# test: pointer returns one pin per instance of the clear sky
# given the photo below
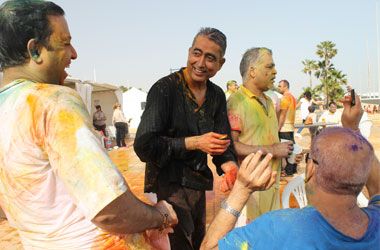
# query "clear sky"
(134, 43)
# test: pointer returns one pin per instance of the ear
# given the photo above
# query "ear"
(252, 71)
(310, 170)
(34, 51)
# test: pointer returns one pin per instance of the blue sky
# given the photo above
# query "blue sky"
(134, 43)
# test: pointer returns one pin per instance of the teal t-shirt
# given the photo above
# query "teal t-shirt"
(302, 229)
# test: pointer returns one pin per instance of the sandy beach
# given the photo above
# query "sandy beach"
(133, 170)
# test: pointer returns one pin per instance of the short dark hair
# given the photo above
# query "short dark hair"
(20, 21)
(307, 94)
(98, 107)
(286, 83)
(214, 35)
(331, 103)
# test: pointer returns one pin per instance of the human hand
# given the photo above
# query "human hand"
(351, 114)
(168, 212)
(212, 143)
(282, 149)
(255, 175)
(230, 173)
(159, 239)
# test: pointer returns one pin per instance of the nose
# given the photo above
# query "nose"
(201, 61)
(274, 71)
(74, 54)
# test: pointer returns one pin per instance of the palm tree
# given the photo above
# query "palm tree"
(309, 67)
(326, 51)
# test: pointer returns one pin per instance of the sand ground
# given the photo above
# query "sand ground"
(133, 170)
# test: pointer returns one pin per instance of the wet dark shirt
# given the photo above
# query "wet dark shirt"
(170, 115)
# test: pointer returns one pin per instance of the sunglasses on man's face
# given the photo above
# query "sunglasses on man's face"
(309, 158)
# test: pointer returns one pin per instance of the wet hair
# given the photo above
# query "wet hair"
(251, 57)
(214, 35)
(344, 160)
(20, 21)
(286, 83)
(307, 95)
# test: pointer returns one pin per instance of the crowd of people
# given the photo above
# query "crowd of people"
(61, 190)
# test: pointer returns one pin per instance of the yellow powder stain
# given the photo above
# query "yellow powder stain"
(244, 245)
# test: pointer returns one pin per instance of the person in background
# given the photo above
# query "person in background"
(304, 103)
(120, 123)
(342, 161)
(286, 120)
(331, 115)
(232, 87)
(185, 120)
(99, 120)
(58, 186)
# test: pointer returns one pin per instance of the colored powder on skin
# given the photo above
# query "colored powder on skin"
(354, 147)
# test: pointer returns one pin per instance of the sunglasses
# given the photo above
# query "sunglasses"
(307, 159)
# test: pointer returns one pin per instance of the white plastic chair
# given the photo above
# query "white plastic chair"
(297, 187)
(365, 128)
(362, 201)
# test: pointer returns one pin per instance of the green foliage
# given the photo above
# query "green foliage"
(331, 79)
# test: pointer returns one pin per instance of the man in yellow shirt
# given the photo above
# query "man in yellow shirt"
(254, 124)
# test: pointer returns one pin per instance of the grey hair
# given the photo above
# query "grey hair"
(251, 57)
(214, 35)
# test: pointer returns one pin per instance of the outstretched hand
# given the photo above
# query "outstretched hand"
(255, 174)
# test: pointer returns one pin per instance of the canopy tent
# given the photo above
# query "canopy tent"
(92, 93)
(134, 101)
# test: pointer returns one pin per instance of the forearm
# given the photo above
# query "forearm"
(373, 182)
(225, 221)
(243, 150)
(127, 214)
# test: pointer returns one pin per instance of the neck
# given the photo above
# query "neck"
(253, 88)
(194, 86)
(19, 72)
(341, 211)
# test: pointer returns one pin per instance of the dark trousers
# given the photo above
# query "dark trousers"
(190, 206)
(120, 134)
(289, 168)
(101, 128)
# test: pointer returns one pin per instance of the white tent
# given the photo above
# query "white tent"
(134, 101)
(92, 93)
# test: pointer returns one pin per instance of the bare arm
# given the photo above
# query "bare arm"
(253, 175)
(127, 214)
(281, 118)
(278, 150)
(373, 182)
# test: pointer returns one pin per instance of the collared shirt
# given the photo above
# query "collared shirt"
(171, 114)
(257, 124)
(289, 103)
(55, 175)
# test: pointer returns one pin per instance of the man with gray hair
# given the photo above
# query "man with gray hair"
(254, 123)
(184, 120)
